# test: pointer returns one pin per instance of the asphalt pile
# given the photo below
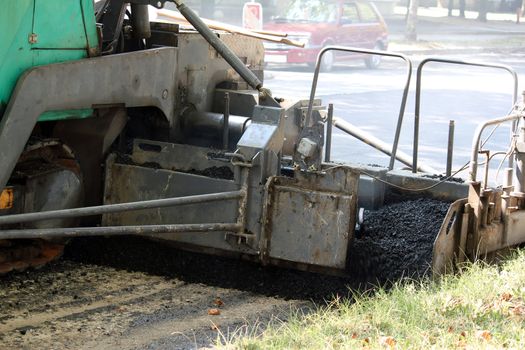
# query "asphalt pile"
(397, 240)
(161, 259)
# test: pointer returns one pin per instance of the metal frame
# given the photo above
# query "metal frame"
(458, 62)
(369, 52)
(142, 78)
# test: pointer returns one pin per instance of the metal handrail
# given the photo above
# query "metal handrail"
(369, 52)
(477, 138)
(459, 62)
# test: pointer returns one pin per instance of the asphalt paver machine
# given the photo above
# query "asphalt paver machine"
(115, 125)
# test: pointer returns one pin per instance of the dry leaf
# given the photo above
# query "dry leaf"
(354, 335)
(485, 335)
(518, 310)
(214, 327)
(450, 329)
(463, 334)
(451, 303)
(389, 342)
(461, 344)
(214, 312)
(506, 296)
(366, 340)
(218, 301)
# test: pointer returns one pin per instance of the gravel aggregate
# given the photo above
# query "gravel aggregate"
(397, 240)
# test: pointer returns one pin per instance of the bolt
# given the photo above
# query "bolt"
(33, 38)
(165, 94)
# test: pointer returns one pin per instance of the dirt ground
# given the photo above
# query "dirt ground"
(70, 305)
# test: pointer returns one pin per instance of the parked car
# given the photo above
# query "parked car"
(318, 23)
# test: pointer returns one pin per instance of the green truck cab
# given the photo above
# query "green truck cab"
(40, 32)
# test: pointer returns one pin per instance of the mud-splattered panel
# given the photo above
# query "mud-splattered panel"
(311, 227)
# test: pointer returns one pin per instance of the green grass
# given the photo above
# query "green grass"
(482, 308)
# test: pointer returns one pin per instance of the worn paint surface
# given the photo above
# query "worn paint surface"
(39, 32)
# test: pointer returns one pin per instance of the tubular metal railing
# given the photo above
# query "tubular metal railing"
(457, 62)
(369, 52)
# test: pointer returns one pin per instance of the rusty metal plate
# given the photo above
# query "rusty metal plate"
(311, 219)
(178, 157)
(447, 244)
(311, 227)
(129, 183)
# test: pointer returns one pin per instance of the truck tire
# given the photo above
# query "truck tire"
(327, 62)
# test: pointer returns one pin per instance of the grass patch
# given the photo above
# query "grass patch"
(481, 308)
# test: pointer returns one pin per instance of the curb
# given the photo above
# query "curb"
(458, 51)
(419, 48)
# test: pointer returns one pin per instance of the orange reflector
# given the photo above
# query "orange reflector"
(6, 199)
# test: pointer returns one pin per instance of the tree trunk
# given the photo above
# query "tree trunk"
(207, 9)
(482, 14)
(411, 27)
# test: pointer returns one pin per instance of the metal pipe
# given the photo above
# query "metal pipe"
(416, 140)
(329, 124)
(369, 52)
(378, 144)
(513, 130)
(459, 62)
(218, 45)
(140, 21)
(519, 168)
(486, 172)
(507, 178)
(115, 230)
(505, 196)
(450, 148)
(116, 208)
(226, 121)
(477, 138)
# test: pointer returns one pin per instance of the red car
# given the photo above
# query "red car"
(318, 23)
